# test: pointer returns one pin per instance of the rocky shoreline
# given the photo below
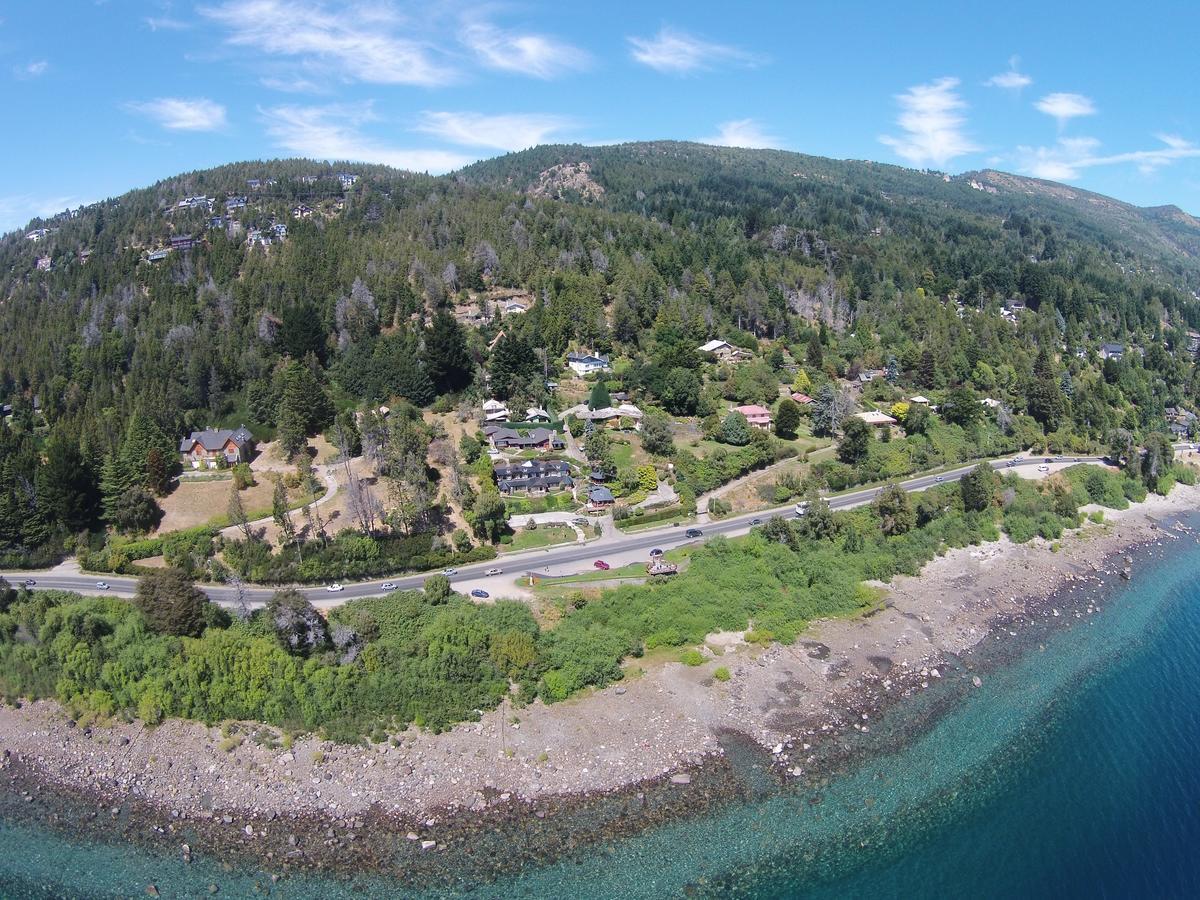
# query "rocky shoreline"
(531, 785)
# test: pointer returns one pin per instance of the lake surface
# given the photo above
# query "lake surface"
(1072, 771)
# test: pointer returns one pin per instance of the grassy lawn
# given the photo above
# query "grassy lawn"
(633, 525)
(561, 501)
(542, 536)
(633, 570)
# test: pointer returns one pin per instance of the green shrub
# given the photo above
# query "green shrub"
(691, 658)
(721, 673)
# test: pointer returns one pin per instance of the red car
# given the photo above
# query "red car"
(602, 565)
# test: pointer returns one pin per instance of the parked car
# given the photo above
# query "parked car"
(388, 586)
(1043, 468)
(602, 565)
(334, 588)
(102, 585)
(449, 572)
(656, 552)
(29, 582)
(494, 572)
(480, 593)
(693, 533)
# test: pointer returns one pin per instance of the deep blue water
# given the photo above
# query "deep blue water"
(1072, 772)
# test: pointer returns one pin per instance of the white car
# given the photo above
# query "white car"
(102, 585)
(1043, 468)
(334, 588)
(494, 572)
(449, 572)
(802, 508)
(388, 586)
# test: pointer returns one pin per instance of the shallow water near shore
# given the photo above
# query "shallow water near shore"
(1069, 771)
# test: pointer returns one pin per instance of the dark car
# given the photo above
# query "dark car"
(756, 521)
(693, 533)
(601, 564)
(29, 582)
(656, 552)
(480, 593)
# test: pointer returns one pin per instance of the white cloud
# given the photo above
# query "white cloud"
(34, 69)
(538, 55)
(930, 115)
(1013, 79)
(165, 23)
(679, 53)
(741, 133)
(1068, 158)
(358, 43)
(515, 131)
(16, 210)
(178, 114)
(1066, 106)
(335, 133)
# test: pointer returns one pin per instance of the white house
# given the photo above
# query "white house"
(494, 411)
(536, 414)
(586, 363)
(723, 350)
(876, 418)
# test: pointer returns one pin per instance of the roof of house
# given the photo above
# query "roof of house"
(626, 410)
(530, 438)
(493, 404)
(874, 417)
(753, 410)
(536, 412)
(600, 495)
(576, 356)
(919, 399)
(214, 440)
(714, 345)
(801, 398)
(1112, 348)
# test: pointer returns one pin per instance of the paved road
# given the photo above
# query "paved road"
(562, 556)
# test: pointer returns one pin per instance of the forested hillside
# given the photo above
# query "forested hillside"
(279, 294)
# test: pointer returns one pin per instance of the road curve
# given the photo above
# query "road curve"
(666, 537)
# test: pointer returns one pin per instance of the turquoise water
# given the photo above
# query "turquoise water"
(1071, 772)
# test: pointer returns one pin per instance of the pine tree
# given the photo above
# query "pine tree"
(446, 358)
(599, 398)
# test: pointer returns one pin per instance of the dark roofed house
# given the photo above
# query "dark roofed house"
(533, 439)
(1112, 351)
(586, 363)
(533, 476)
(600, 496)
(182, 242)
(207, 449)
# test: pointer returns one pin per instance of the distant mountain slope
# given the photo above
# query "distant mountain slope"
(658, 178)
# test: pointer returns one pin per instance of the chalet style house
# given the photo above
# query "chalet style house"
(534, 476)
(210, 449)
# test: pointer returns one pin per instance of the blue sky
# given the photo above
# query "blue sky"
(104, 96)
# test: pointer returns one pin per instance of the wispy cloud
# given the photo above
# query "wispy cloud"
(1068, 158)
(1065, 107)
(679, 53)
(179, 114)
(335, 133)
(17, 209)
(1013, 79)
(933, 123)
(166, 23)
(527, 53)
(742, 133)
(35, 69)
(515, 131)
(367, 43)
